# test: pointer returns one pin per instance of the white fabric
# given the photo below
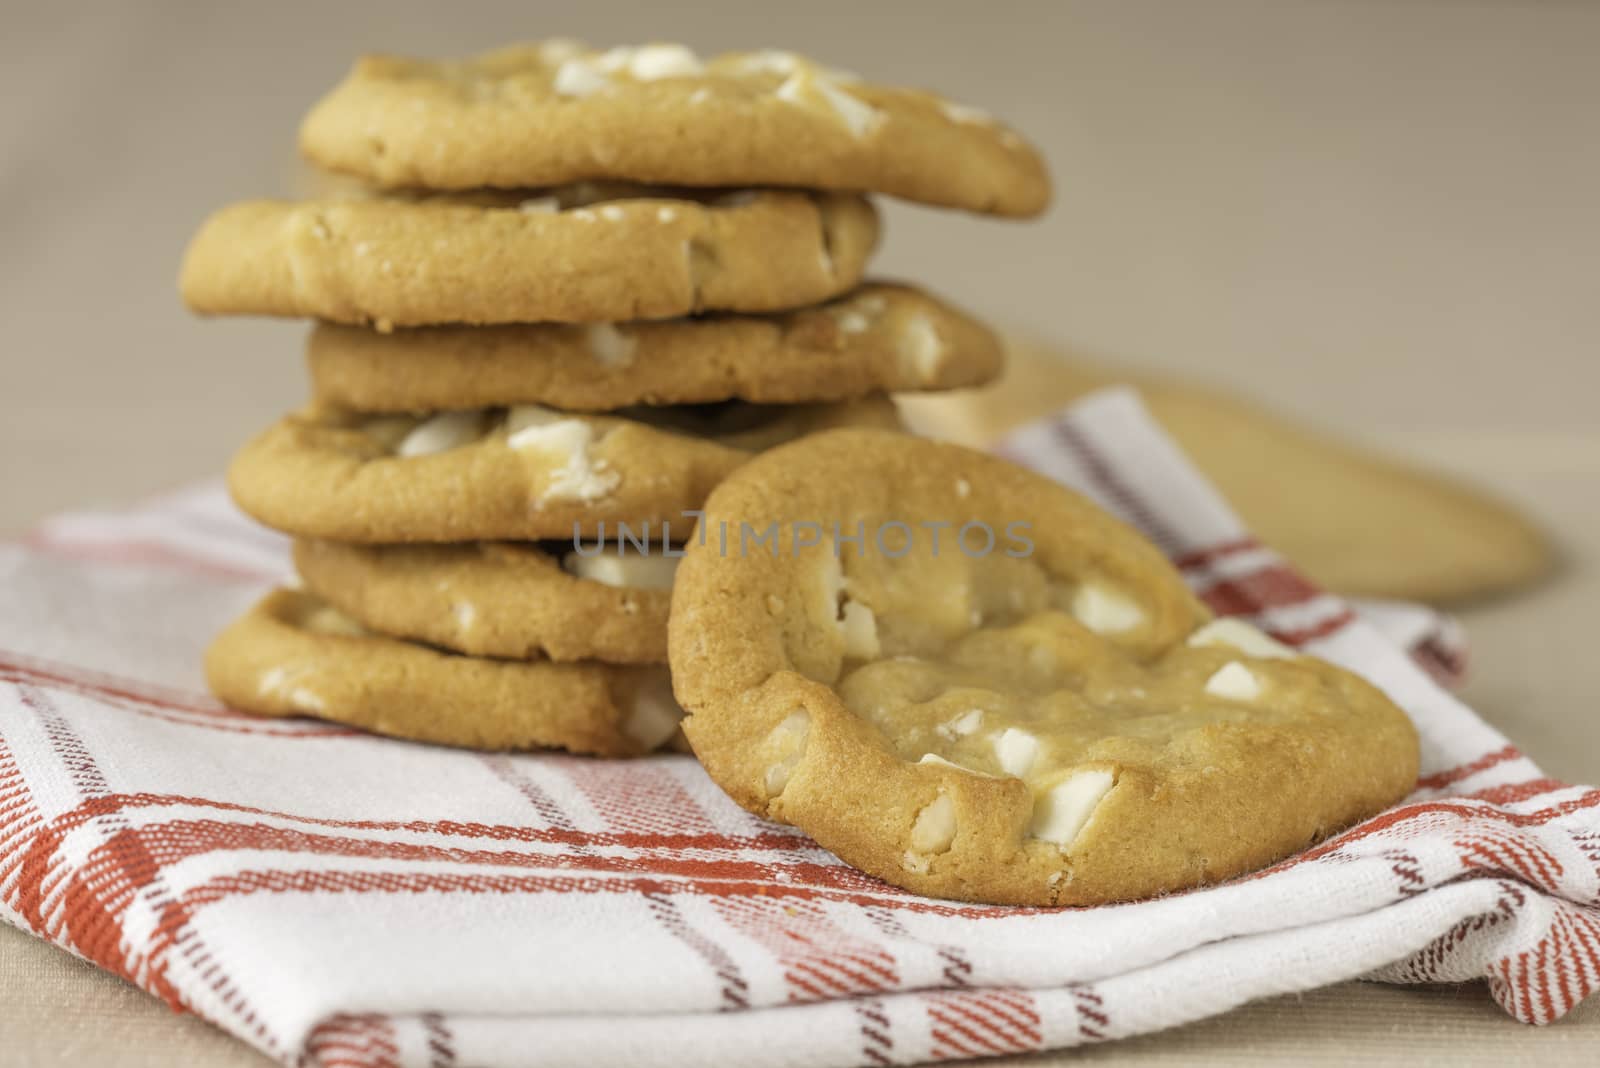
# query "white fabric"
(344, 899)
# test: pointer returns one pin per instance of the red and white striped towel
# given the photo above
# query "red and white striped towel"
(340, 899)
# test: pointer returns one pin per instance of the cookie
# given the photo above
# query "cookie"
(880, 338)
(517, 474)
(293, 655)
(504, 599)
(1357, 521)
(556, 112)
(578, 254)
(1000, 693)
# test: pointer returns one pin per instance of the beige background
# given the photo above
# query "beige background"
(1378, 215)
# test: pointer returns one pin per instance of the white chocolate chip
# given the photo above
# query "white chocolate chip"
(666, 215)
(935, 826)
(1104, 610)
(851, 321)
(829, 583)
(1240, 635)
(540, 205)
(655, 714)
(786, 744)
(770, 60)
(273, 681)
(964, 114)
(1235, 682)
(963, 488)
(857, 316)
(612, 213)
(961, 726)
(920, 348)
(859, 117)
(525, 415)
(1063, 810)
(279, 683)
(806, 89)
(700, 95)
(581, 480)
(441, 433)
(649, 62)
(580, 477)
(329, 620)
(939, 761)
(609, 346)
(1016, 750)
(859, 628)
(613, 60)
(304, 700)
(634, 570)
(578, 77)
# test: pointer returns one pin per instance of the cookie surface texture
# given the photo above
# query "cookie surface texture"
(878, 338)
(293, 655)
(517, 474)
(502, 599)
(1000, 693)
(555, 112)
(572, 255)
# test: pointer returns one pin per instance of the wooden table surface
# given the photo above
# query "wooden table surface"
(1378, 216)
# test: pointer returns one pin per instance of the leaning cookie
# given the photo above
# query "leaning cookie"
(577, 254)
(880, 338)
(292, 655)
(553, 112)
(996, 692)
(504, 599)
(518, 474)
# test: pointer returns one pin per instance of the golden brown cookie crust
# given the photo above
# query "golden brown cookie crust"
(487, 258)
(322, 474)
(498, 599)
(790, 721)
(880, 338)
(553, 112)
(292, 655)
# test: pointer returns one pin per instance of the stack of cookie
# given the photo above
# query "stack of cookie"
(572, 292)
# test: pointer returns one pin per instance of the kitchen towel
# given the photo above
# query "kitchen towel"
(339, 899)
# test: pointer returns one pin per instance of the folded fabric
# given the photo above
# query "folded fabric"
(335, 898)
